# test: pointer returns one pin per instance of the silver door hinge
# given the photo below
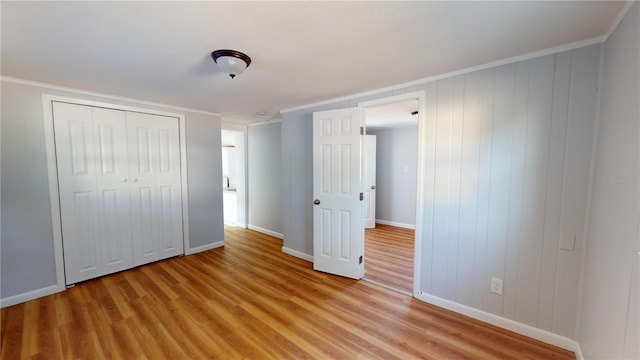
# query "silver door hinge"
(361, 196)
(361, 130)
(360, 260)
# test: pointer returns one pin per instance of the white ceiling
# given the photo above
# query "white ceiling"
(303, 52)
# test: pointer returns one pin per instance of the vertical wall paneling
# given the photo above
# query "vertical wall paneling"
(441, 170)
(507, 159)
(480, 283)
(553, 197)
(457, 117)
(580, 128)
(470, 145)
(609, 323)
(538, 127)
(500, 182)
(516, 196)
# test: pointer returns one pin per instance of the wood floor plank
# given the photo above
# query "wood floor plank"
(389, 252)
(249, 300)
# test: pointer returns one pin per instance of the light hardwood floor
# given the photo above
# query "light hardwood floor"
(388, 255)
(247, 300)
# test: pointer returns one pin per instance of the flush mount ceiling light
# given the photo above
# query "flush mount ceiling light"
(231, 62)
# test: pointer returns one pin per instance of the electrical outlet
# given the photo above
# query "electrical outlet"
(567, 242)
(496, 286)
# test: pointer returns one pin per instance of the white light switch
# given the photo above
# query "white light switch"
(567, 242)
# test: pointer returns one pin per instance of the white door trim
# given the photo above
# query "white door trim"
(369, 184)
(421, 175)
(47, 109)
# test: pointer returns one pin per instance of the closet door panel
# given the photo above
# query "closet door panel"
(75, 152)
(143, 164)
(169, 186)
(154, 161)
(112, 174)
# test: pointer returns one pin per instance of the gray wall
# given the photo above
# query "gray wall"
(507, 168)
(27, 257)
(297, 181)
(265, 177)
(396, 189)
(610, 313)
(204, 171)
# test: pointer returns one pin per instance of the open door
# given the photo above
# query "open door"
(338, 232)
(369, 181)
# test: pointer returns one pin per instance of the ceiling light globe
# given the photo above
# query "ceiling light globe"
(231, 65)
(231, 62)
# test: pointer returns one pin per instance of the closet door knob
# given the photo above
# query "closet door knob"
(373, 187)
(316, 201)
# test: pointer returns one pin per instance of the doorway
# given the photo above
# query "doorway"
(390, 241)
(233, 177)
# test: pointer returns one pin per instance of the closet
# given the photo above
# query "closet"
(119, 186)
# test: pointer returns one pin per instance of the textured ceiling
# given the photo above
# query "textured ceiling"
(302, 52)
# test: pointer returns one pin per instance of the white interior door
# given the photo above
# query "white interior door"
(338, 233)
(154, 167)
(94, 193)
(369, 181)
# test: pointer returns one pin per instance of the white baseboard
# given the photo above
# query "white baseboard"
(205, 247)
(297, 254)
(30, 295)
(266, 231)
(517, 327)
(393, 223)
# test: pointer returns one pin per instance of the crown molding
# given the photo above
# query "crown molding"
(618, 19)
(531, 55)
(103, 95)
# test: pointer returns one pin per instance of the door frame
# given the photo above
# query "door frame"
(421, 174)
(372, 193)
(52, 169)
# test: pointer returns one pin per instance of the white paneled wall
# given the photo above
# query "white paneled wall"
(508, 157)
(508, 153)
(610, 314)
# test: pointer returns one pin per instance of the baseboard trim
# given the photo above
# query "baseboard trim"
(298, 254)
(205, 247)
(508, 324)
(397, 224)
(30, 295)
(266, 231)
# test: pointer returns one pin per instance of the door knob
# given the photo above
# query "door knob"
(124, 180)
(373, 187)
(316, 201)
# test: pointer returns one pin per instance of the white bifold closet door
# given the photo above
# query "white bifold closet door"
(119, 182)
(156, 201)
